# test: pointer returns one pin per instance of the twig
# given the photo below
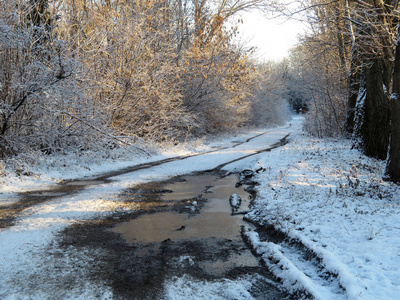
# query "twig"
(105, 133)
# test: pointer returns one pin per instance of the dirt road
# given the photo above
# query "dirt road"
(157, 238)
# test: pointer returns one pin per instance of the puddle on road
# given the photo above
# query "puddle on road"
(174, 232)
(213, 221)
(159, 227)
(190, 187)
(235, 260)
(85, 182)
(47, 194)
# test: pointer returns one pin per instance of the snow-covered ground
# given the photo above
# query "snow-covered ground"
(332, 200)
(322, 194)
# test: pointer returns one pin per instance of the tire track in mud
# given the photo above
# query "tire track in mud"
(299, 268)
(10, 212)
(283, 141)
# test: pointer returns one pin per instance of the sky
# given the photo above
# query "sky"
(272, 37)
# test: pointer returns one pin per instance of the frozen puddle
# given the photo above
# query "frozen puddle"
(213, 221)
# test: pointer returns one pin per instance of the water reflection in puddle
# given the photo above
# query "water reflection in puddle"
(84, 182)
(235, 260)
(206, 244)
(189, 188)
(47, 194)
(214, 221)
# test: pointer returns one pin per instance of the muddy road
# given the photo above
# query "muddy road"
(182, 231)
(175, 238)
(9, 213)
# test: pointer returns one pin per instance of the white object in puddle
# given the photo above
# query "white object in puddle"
(235, 201)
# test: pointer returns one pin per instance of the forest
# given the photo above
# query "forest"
(92, 75)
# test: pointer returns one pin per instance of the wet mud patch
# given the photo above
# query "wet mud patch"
(9, 212)
(175, 232)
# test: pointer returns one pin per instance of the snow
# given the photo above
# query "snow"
(332, 200)
(188, 288)
(359, 111)
(321, 193)
(235, 202)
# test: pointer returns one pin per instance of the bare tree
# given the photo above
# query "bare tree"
(393, 162)
(131, 71)
(41, 104)
(367, 37)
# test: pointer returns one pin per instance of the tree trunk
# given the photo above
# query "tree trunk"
(354, 76)
(375, 130)
(393, 163)
(354, 86)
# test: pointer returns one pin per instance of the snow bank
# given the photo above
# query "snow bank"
(332, 200)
